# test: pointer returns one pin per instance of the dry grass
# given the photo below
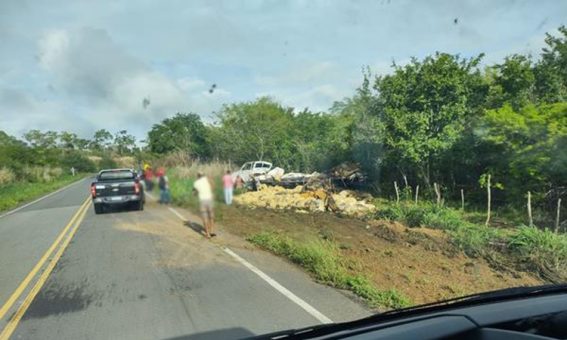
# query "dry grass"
(212, 169)
(6, 176)
(41, 173)
(125, 162)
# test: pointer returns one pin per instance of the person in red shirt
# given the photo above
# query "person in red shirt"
(228, 185)
(149, 178)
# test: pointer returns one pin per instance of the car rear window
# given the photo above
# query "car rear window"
(118, 174)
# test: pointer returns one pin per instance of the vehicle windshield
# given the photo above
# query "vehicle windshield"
(120, 174)
(232, 168)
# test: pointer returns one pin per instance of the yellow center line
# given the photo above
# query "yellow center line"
(15, 320)
(24, 284)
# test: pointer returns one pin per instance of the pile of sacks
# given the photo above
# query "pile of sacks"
(276, 197)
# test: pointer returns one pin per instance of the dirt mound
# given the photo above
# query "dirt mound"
(297, 199)
(420, 263)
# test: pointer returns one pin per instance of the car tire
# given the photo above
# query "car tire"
(98, 209)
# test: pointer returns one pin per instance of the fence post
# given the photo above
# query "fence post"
(438, 193)
(531, 221)
(397, 192)
(557, 216)
(462, 200)
(416, 192)
(488, 201)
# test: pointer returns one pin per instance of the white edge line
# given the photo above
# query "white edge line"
(41, 198)
(301, 303)
(149, 195)
(177, 214)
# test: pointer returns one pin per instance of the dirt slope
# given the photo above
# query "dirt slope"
(421, 263)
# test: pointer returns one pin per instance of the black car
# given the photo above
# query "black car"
(117, 187)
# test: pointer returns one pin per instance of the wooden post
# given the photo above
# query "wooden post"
(462, 200)
(397, 192)
(531, 221)
(438, 193)
(557, 216)
(488, 201)
(416, 192)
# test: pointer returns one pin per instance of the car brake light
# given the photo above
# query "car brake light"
(93, 190)
(136, 188)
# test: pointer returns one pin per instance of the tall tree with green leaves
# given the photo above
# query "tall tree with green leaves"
(184, 131)
(258, 130)
(102, 140)
(124, 142)
(423, 107)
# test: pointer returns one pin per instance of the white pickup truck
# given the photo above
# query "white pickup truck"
(252, 168)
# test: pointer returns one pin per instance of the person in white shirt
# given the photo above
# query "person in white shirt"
(202, 187)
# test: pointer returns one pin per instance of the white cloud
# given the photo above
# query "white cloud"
(95, 73)
(189, 84)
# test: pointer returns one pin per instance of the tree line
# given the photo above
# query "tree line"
(443, 119)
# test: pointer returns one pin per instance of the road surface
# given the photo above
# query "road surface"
(67, 273)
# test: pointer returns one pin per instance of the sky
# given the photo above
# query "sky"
(85, 65)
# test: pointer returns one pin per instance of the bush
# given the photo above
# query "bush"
(425, 214)
(78, 161)
(40, 174)
(474, 240)
(543, 250)
(107, 162)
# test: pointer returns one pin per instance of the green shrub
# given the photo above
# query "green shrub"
(391, 213)
(543, 250)
(474, 240)
(424, 214)
(81, 163)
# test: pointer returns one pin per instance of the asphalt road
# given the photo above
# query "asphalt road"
(146, 275)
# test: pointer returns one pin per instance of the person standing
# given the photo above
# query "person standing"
(202, 187)
(149, 177)
(163, 185)
(228, 185)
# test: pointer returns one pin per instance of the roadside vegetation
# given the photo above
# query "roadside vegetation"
(16, 193)
(45, 161)
(528, 248)
(322, 259)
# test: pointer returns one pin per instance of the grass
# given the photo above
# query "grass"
(530, 248)
(15, 193)
(322, 259)
(541, 250)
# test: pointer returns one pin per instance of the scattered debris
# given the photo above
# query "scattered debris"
(302, 199)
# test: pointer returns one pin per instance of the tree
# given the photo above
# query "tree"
(551, 71)
(529, 145)
(422, 108)
(102, 140)
(36, 138)
(259, 130)
(515, 82)
(184, 131)
(124, 142)
(68, 140)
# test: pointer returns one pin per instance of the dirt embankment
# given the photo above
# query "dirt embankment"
(421, 263)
